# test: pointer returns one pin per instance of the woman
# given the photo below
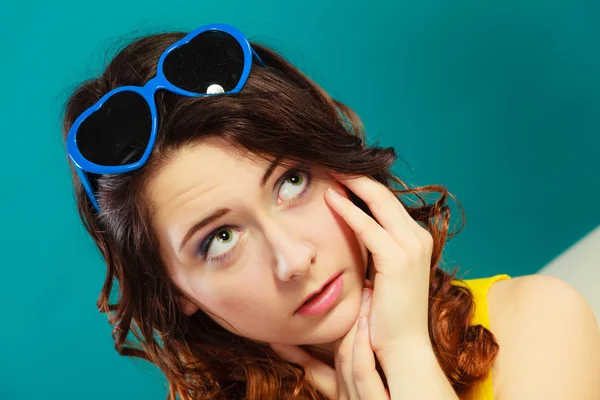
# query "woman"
(261, 250)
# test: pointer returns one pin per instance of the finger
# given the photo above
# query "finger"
(387, 209)
(344, 354)
(343, 365)
(319, 374)
(368, 383)
(375, 238)
(366, 378)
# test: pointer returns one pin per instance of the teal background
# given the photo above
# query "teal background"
(497, 100)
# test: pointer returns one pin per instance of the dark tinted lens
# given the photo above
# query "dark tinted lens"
(211, 58)
(118, 133)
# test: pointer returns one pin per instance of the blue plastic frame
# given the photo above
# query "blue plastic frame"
(159, 82)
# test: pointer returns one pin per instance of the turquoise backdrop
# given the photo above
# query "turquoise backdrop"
(497, 100)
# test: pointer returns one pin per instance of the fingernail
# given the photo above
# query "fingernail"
(334, 193)
(362, 322)
(366, 294)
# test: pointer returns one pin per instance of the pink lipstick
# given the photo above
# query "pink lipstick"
(324, 299)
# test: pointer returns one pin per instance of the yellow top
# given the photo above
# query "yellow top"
(479, 288)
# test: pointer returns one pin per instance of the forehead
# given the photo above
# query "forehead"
(202, 173)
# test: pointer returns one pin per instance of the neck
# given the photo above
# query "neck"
(323, 352)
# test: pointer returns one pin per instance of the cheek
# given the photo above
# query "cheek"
(237, 299)
(250, 315)
(337, 234)
(232, 306)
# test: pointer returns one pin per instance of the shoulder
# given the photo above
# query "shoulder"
(549, 340)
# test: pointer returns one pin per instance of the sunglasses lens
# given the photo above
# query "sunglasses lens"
(212, 62)
(118, 133)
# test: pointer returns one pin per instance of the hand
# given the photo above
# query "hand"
(355, 376)
(401, 251)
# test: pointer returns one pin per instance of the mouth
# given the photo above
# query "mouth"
(322, 298)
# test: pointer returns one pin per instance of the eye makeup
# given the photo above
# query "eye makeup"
(206, 243)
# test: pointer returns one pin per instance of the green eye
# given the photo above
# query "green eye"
(221, 242)
(293, 185)
(224, 236)
(296, 179)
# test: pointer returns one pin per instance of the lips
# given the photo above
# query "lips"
(318, 291)
(314, 295)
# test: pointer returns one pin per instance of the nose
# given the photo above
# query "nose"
(294, 256)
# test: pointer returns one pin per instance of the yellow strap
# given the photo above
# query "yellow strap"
(479, 288)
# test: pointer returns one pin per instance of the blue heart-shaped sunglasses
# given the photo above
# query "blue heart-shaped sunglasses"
(117, 133)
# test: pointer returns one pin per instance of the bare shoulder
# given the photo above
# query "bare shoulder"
(549, 340)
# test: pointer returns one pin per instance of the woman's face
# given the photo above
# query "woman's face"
(249, 251)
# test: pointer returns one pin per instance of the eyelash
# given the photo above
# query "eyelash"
(205, 244)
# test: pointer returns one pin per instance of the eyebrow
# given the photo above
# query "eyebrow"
(224, 211)
(269, 171)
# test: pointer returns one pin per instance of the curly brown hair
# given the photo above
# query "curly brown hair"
(280, 113)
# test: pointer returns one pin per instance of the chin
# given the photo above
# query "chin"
(339, 320)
